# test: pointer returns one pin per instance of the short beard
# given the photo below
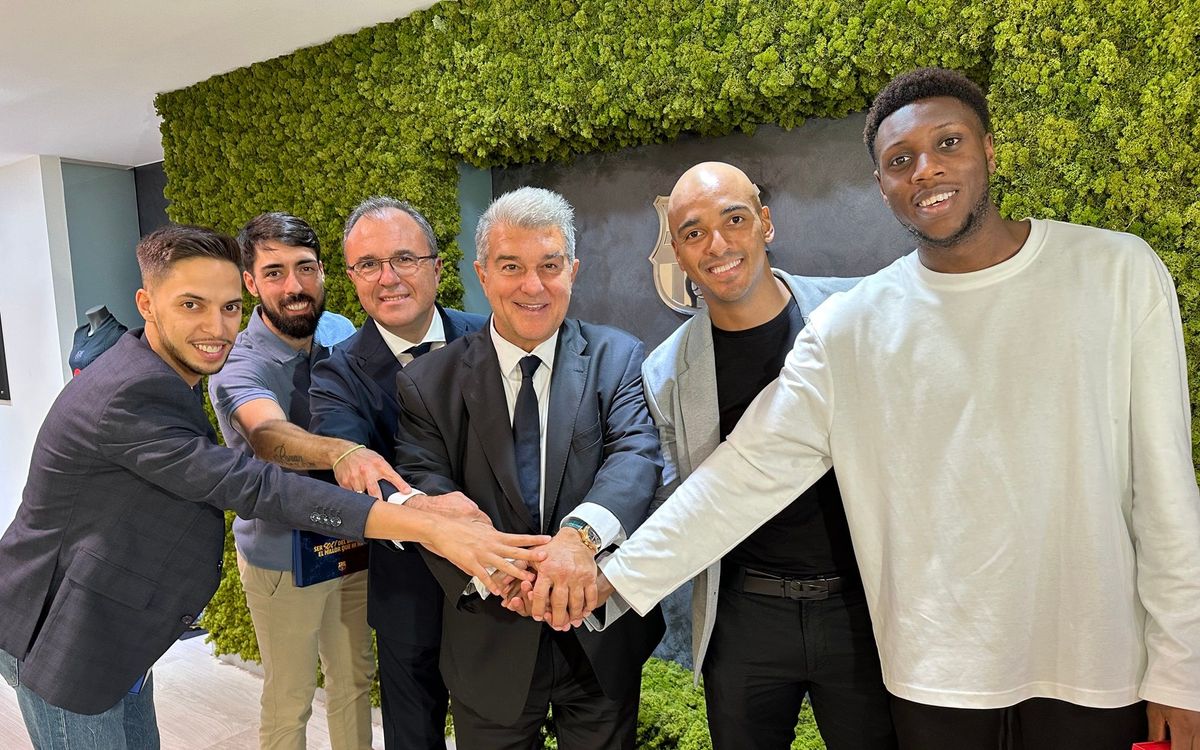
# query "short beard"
(972, 225)
(179, 356)
(293, 326)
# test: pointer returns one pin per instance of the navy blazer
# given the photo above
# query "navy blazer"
(116, 546)
(601, 447)
(353, 396)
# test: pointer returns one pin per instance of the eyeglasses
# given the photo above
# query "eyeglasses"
(404, 264)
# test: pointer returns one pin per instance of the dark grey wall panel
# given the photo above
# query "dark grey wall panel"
(150, 181)
(829, 216)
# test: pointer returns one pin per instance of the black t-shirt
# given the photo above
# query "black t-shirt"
(808, 538)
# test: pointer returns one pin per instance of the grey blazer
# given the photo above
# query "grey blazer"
(681, 390)
(117, 543)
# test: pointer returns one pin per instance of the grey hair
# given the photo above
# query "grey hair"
(378, 206)
(527, 208)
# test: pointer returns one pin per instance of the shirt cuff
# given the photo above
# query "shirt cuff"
(602, 521)
(612, 609)
(477, 586)
(400, 497)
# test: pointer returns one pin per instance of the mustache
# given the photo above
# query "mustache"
(298, 297)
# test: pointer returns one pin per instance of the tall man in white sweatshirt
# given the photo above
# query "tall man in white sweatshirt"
(1007, 407)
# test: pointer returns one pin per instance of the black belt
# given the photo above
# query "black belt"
(750, 581)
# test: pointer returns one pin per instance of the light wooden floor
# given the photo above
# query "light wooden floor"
(202, 704)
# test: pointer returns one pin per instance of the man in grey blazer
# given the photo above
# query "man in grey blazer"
(800, 566)
(116, 545)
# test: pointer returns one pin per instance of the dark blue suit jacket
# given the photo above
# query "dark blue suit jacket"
(353, 397)
(117, 543)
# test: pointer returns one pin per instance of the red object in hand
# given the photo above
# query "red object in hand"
(1164, 745)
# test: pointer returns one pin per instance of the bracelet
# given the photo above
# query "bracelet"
(337, 460)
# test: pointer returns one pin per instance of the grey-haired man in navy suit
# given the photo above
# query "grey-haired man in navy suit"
(540, 420)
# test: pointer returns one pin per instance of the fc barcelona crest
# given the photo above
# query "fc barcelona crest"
(675, 289)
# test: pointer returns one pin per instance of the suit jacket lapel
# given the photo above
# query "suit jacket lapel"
(698, 378)
(699, 412)
(483, 393)
(376, 359)
(567, 383)
(450, 326)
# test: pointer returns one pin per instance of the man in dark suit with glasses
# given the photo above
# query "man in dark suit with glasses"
(392, 258)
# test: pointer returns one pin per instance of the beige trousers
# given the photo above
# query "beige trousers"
(294, 627)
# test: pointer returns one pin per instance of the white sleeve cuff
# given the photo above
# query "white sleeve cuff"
(476, 587)
(602, 521)
(399, 497)
(612, 609)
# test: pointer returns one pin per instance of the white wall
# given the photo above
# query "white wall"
(102, 220)
(37, 310)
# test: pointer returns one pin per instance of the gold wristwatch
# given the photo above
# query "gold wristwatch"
(587, 534)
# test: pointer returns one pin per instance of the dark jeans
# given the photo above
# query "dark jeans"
(129, 725)
(1034, 724)
(767, 652)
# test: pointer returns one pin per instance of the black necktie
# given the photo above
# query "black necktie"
(527, 439)
(419, 349)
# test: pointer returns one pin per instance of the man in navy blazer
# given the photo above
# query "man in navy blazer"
(542, 422)
(116, 545)
(392, 258)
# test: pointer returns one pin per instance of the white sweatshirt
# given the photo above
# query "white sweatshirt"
(1014, 451)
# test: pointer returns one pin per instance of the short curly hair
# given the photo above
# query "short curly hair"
(923, 83)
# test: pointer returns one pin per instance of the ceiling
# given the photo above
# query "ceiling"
(78, 77)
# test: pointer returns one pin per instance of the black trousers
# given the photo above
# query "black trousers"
(412, 695)
(1034, 724)
(767, 652)
(584, 717)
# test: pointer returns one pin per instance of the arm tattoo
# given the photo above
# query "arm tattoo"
(290, 460)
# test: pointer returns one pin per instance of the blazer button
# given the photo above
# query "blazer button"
(187, 619)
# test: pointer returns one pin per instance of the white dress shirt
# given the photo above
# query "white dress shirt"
(435, 336)
(601, 519)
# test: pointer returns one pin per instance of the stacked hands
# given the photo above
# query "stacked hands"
(551, 579)
(560, 587)
(554, 580)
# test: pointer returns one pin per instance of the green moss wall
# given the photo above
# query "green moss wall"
(1095, 107)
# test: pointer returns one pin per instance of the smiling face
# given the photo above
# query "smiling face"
(290, 283)
(403, 305)
(527, 281)
(192, 314)
(720, 233)
(934, 165)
